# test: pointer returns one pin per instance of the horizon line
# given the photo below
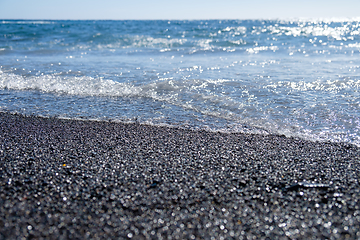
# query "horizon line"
(185, 19)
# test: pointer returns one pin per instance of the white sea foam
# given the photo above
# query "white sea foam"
(84, 86)
(317, 85)
(164, 89)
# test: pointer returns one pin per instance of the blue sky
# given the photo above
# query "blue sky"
(179, 9)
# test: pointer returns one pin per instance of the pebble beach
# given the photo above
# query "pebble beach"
(73, 179)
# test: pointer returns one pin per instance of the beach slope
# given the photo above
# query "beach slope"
(67, 179)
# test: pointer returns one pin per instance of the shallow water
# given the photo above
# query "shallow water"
(299, 78)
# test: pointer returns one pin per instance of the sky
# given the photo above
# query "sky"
(178, 9)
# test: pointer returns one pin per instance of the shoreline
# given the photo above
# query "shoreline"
(88, 179)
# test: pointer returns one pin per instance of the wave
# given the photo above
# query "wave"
(188, 94)
(82, 86)
(164, 89)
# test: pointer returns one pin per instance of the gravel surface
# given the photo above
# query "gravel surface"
(66, 179)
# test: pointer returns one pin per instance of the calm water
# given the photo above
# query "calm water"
(299, 78)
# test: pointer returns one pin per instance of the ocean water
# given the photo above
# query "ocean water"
(295, 77)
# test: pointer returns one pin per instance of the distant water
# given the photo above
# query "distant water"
(300, 78)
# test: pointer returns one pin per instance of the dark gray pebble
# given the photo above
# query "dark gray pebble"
(63, 179)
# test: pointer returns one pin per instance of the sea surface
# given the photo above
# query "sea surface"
(299, 77)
